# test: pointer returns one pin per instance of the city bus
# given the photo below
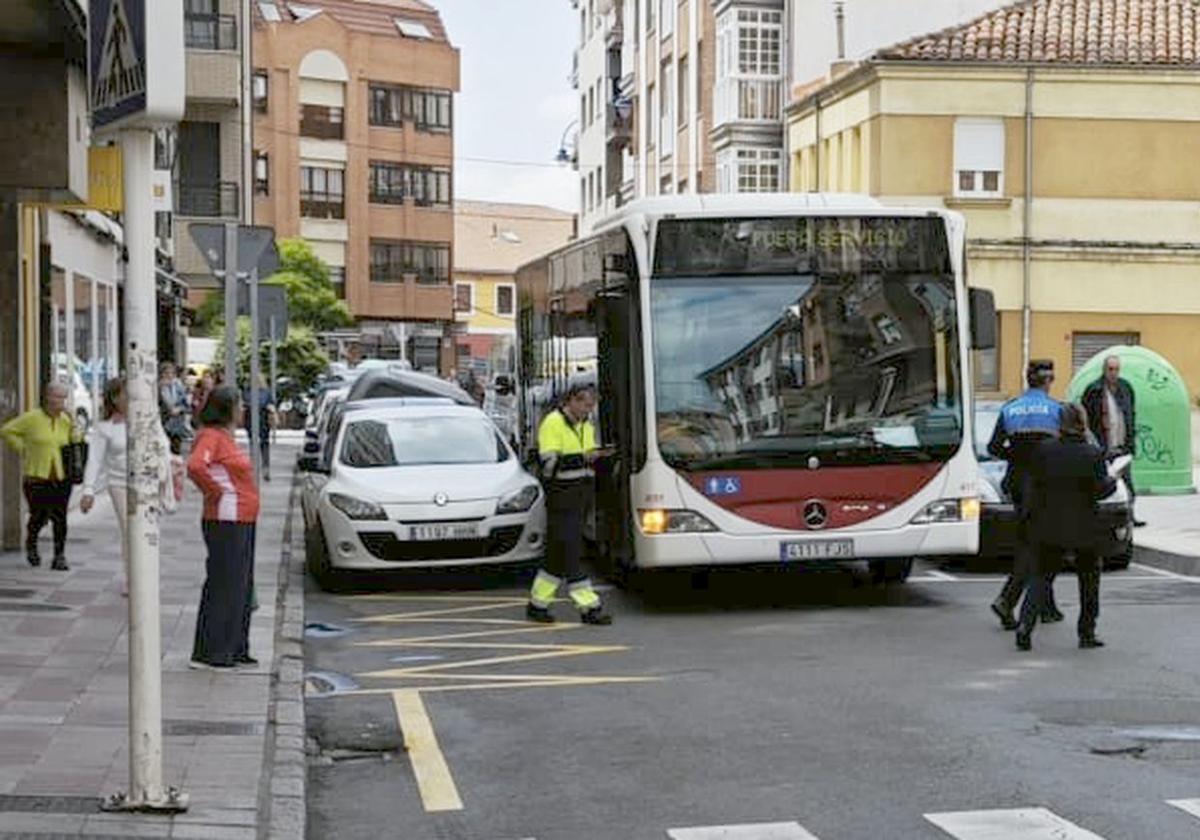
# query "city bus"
(782, 379)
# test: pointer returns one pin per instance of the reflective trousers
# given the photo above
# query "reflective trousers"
(567, 507)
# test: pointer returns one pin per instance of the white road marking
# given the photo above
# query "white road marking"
(1165, 573)
(1009, 824)
(938, 574)
(1191, 806)
(757, 831)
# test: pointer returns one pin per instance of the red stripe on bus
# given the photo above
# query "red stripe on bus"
(850, 495)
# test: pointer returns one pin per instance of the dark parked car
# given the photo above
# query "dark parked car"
(998, 521)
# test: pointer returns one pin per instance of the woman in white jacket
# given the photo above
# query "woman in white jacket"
(107, 465)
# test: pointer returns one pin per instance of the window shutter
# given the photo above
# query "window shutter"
(979, 145)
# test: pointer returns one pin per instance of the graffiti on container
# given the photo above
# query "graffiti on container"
(1156, 380)
(1152, 449)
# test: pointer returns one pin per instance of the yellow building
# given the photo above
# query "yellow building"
(492, 240)
(1097, 242)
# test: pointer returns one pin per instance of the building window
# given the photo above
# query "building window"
(505, 300)
(389, 182)
(979, 157)
(650, 4)
(262, 173)
(398, 261)
(428, 109)
(323, 121)
(667, 129)
(757, 170)
(413, 29)
(259, 86)
(395, 183)
(322, 193)
(205, 29)
(683, 103)
(666, 14)
(749, 83)
(337, 276)
(430, 186)
(464, 298)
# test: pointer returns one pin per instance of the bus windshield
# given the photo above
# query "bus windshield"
(777, 341)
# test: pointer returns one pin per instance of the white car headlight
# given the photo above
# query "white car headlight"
(520, 501)
(948, 510)
(656, 522)
(356, 508)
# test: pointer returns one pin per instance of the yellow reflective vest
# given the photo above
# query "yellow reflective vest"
(563, 447)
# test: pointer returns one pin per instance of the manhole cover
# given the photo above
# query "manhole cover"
(321, 630)
(329, 682)
(32, 608)
(211, 727)
(50, 804)
(16, 593)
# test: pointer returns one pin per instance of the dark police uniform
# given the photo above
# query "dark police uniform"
(1024, 422)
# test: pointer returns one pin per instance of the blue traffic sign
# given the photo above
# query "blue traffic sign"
(722, 485)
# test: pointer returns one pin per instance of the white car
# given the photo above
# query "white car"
(425, 484)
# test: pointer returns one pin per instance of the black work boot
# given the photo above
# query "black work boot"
(1087, 642)
(31, 554)
(538, 615)
(1052, 615)
(1024, 641)
(60, 563)
(597, 617)
(1005, 614)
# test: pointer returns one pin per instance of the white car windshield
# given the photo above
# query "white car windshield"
(419, 441)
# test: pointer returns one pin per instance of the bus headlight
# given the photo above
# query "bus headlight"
(949, 510)
(673, 522)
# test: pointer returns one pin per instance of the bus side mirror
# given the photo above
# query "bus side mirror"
(983, 319)
(504, 385)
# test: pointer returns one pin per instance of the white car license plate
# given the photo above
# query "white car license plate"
(817, 550)
(443, 531)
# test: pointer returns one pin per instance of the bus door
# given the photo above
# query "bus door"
(615, 322)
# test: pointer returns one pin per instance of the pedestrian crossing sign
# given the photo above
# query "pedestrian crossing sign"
(134, 80)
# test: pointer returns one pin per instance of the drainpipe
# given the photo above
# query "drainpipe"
(817, 144)
(1027, 227)
(246, 34)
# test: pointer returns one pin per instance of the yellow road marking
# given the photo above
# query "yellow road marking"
(400, 618)
(500, 605)
(436, 785)
(555, 653)
(495, 682)
(474, 634)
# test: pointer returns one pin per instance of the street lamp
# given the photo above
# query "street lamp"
(566, 155)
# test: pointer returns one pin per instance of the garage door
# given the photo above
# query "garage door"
(1085, 345)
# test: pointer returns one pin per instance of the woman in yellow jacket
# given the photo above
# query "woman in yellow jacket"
(39, 437)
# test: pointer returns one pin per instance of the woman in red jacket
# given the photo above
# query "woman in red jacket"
(225, 475)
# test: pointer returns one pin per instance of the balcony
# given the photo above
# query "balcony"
(210, 32)
(322, 206)
(618, 123)
(207, 201)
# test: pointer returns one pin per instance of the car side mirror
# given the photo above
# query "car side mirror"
(983, 319)
(311, 447)
(504, 385)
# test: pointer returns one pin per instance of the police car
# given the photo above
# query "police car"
(998, 517)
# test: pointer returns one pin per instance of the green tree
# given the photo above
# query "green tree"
(312, 300)
(299, 356)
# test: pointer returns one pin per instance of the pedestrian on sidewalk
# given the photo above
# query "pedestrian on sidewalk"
(1024, 423)
(225, 476)
(1112, 418)
(567, 449)
(267, 420)
(39, 437)
(107, 465)
(1067, 478)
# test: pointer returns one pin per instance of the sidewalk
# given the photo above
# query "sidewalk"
(1171, 538)
(64, 692)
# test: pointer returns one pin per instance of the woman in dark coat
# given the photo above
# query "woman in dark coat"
(1067, 479)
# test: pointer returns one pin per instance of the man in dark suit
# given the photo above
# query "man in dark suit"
(1067, 478)
(1112, 418)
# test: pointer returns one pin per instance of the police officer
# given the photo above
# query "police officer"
(1025, 422)
(567, 449)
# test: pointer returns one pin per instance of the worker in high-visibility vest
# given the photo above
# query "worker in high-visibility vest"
(567, 450)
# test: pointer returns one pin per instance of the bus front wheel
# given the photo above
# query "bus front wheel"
(890, 571)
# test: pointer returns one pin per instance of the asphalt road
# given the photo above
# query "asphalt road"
(803, 704)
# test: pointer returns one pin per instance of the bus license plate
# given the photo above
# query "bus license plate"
(817, 550)
(443, 531)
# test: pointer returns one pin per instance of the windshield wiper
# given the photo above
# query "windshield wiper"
(744, 460)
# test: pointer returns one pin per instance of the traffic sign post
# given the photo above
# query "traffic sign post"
(136, 85)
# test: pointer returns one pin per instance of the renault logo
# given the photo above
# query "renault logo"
(441, 500)
(815, 515)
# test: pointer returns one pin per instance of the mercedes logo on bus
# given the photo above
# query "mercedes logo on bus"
(441, 500)
(815, 515)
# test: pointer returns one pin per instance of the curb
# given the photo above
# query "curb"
(1181, 564)
(282, 798)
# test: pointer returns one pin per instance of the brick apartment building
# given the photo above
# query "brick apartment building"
(353, 151)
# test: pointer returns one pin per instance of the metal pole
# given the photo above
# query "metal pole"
(255, 415)
(274, 364)
(231, 303)
(146, 453)
(1027, 232)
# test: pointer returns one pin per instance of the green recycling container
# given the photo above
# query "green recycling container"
(1163, 462)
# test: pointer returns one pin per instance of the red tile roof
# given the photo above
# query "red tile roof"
(1076, 32)
(377, 17)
